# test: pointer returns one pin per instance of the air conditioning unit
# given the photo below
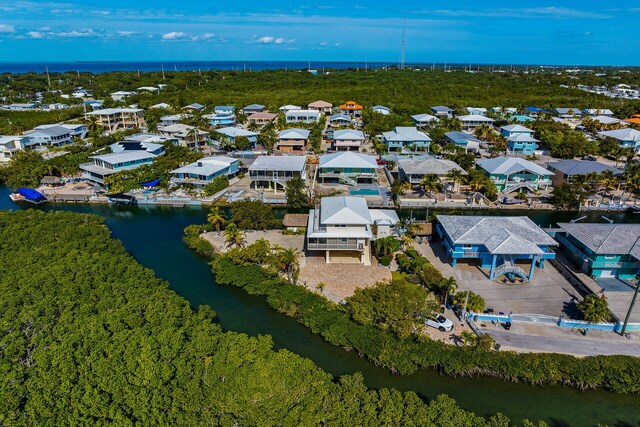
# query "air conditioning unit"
(360, 245)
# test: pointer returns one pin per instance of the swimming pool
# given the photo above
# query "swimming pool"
(364, 192)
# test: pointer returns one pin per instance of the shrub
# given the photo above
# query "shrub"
(385, 260)
(218, 183)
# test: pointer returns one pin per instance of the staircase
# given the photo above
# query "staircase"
(509, 267)
(348, 179)
(515, 187)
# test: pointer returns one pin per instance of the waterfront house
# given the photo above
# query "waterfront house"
(286, 108)
(520, 140)
(195, 107)
(339, 120)
(599, 112)
(10, 145)
(381, 109)
(424, 120)
(220, 119)
(174, 119)
(302, 116)
(514, 173)
(442, 111)
(262, 119)
(137, 145)
(627, 138)
(476, 111)
(345, 228)
(414, 170)
(229, 134)
(252, 109)
(293, 139)
(350, 108)
(114, 119)
(272, 171)
(406, 139)
(108, 164)
(603, 251)
(566, 170)
(472, 121)
(348, 167)
(462, 139)
(568, 113)
(203, 171)
(224, 109)
(121, 95)
(501, 244)
(53, 136)
(186, 135)
(347, 140)
(321, 106)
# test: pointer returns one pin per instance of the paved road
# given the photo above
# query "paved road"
(577, 345)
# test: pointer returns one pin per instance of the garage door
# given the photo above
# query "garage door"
(347, 257)
(607, 273)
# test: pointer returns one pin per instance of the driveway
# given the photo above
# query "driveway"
(548, 293)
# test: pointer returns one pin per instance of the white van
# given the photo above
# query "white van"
(439, 322)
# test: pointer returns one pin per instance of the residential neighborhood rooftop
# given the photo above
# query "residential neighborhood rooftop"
(609, 239)
(511, 165)
(279, 163)
(581, 167)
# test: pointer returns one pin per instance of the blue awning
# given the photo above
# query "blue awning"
(151, 183)
(31, 194)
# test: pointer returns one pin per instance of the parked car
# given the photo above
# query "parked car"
(439, 322)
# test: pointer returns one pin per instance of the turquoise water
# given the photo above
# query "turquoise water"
(153, 235)
(364, 192)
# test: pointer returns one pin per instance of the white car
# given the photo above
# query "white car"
(439, 322)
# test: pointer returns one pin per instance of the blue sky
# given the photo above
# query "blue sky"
(518, 32)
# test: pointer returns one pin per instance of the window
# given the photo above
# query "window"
(609, 257)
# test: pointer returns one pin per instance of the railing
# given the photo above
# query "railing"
(330, 246)
(508, 267)
(615, 264)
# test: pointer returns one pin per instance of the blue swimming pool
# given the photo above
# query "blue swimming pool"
(364, 192)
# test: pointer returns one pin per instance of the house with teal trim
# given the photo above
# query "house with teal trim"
(205, 170)
(348, 167)
(627, 138)
(220, 119)
(502, 245)
(603, 250)
(406, 139)
(462, 139)
(520, 140)
(511, 174)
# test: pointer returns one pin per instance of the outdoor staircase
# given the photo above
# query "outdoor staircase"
(516, 187)
(509, 267)
(348, 179)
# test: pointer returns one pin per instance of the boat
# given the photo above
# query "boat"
(28, 195)
(121, 199)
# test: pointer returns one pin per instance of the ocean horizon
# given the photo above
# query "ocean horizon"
(98, 67)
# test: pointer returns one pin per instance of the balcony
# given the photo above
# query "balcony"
(336, 244)
(615, 264)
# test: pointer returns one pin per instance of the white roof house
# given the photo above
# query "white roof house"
(206, 166)
(294, 133)
(9, 145)
(606, 120)
(474, 120)
(348, 159)
(286, 108)
(516, 128)
(626, 137)
(149, 88)
(511, 165)
(234, 132)
(480, 111)
(381, 109)
(418, 167)
(279, 163)
(161, 105)
(599, 112)
(302, 116)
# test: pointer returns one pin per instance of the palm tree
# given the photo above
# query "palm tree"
(288, 258)
(233, 236)
(430, 182)
(595, 308)
(455, 176)
(320, 286)
(216, 218)
(193, 133)
(387, 245)
(467, 337)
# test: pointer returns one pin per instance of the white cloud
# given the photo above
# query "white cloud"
(552, 12)
(274, 40)
(77, 33)
(205, 36)
(174, 35)
(126, 33)
(6, 28)
(35, 34)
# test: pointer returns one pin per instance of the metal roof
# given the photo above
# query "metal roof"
(294, 133)
(606, 120)
(348, 159)
(110, 111)
(429, 165)
(511, 165)
(233, 132)
(340, 116)
(320, 104)
(622, 134)
(279, 163)
(207, 165)
(607, 239)
(425, 118)
(521, 137)
(442, 108)
(499, 234)
(475, 118)
(572, 167)
(401, 133)
(344, 210)
(348, 134)
(51, 131)
(460, 136)
(516, 128)
(125, 156)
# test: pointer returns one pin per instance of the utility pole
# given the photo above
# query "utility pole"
(464, 310)
(403, 45)
(633, 302)
(48, 77)
(162, 65)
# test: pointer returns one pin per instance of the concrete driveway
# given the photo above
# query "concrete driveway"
(548, 293)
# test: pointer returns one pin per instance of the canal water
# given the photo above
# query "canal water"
(153, 235)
